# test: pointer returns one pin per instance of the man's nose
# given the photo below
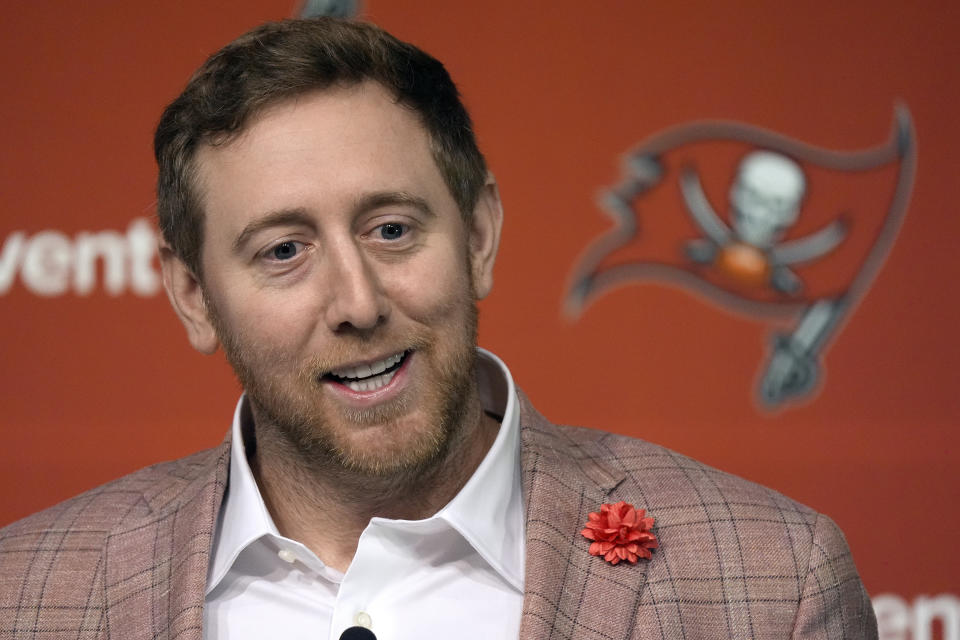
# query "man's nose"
(357, 299)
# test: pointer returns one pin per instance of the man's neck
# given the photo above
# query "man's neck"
(327, 506)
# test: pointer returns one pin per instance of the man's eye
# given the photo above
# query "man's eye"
(285, 250)
(392, 231)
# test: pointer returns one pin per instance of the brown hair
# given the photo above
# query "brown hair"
(283, 59)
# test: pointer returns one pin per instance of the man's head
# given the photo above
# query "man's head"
(345, 240)
(278, 61)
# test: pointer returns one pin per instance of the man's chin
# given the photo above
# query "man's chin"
(377, 441)
(389, 462)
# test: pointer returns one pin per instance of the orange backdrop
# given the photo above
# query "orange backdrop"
(97, 378)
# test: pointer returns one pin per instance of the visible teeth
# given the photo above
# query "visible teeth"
(364, 370)
(378, 367)
(371, 384)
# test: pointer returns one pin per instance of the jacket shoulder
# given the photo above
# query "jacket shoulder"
(55, 562)
(675, 482)
(103, 508)
(772, 565)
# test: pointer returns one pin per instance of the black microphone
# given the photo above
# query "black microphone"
(358, 633)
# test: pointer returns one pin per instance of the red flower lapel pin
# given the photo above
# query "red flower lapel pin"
(620, 532)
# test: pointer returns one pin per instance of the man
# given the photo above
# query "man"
(329, 221)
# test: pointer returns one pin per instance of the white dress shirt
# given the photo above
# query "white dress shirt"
(458, 573)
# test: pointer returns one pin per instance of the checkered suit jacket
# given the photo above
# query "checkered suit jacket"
(128, 560)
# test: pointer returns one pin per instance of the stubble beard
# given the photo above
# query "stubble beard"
(293, 421)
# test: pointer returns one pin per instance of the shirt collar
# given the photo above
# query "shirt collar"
(487, 512)
(243, 516)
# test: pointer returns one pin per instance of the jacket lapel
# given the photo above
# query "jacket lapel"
(569, 593)
(156, 561)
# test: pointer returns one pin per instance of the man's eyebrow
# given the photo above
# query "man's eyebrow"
(386, 198)
(300, 216)
(273, 219)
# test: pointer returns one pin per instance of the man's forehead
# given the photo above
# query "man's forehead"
(341, 114)
(344, 95)
(336, 121)
(336, 146)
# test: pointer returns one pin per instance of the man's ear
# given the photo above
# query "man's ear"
(485, 237)
(186, 296)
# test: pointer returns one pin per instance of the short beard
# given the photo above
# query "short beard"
(288, 426)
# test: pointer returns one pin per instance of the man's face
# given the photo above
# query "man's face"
(341, 278)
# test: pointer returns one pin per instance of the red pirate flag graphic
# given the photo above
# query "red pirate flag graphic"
(759, 224)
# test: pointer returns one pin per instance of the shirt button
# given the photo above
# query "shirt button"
(287, 556)
(363, 619)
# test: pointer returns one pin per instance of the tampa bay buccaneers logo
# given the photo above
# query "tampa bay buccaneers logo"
(759, 224)
(333, 8)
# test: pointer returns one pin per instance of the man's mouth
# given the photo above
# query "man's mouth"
(369, 377)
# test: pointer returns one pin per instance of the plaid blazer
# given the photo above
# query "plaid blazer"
(128, 560)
